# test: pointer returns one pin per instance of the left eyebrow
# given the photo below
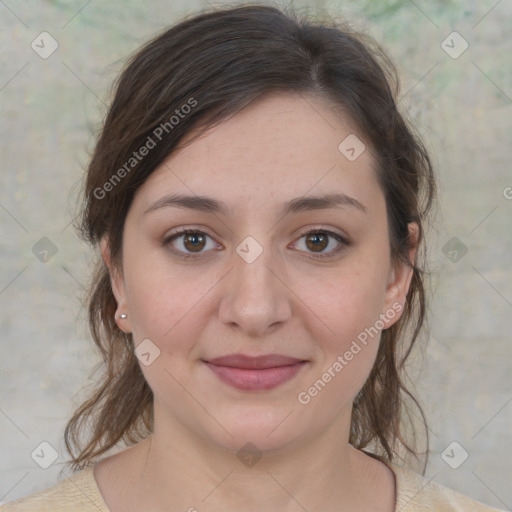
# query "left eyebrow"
(301, 204)
(297, 205)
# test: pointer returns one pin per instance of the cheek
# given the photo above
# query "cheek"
(348, 339)
(165, 300)
(344, 317)
(347, 302)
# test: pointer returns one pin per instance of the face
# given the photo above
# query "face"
(312, 281)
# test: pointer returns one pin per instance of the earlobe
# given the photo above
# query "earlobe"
(400, 280)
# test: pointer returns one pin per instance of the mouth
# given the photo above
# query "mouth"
(259, 373)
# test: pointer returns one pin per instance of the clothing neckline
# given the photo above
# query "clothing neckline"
(399, 474)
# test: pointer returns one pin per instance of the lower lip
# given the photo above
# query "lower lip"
(256, 380)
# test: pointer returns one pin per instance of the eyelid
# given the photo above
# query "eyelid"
(341, 239)
(184, 230)
(323, 229)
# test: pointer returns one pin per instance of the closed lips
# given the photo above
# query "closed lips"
(255, 374)
(254, 363)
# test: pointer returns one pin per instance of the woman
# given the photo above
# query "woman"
(259, 205)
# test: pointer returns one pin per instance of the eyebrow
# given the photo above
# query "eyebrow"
(297, 205)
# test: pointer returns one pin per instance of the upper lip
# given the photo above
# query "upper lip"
(254, 363)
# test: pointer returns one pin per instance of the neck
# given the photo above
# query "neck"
(179, 467)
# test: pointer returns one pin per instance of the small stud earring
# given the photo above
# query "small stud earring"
(123, 316)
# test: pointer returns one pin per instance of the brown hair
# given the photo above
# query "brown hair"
(217, 62)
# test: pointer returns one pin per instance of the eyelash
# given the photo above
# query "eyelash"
(185, 231)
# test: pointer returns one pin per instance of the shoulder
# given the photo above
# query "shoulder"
(77, 493)
(416, 493)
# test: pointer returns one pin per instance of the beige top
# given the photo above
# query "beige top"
(80, 493)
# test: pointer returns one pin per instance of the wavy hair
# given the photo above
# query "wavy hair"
(223, 59)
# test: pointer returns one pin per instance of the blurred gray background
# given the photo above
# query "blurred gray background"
(460, 100)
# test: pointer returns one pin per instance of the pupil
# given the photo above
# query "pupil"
(195, 238)
(317, 237)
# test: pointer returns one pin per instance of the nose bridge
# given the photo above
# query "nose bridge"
(255, 298)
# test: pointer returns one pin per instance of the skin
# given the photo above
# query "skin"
(215, 303)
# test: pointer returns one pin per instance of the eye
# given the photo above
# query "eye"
(193, 241)
(318, 240)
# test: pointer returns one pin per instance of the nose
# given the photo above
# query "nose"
(255, 297)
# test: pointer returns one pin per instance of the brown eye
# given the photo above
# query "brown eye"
(317, 242)
(194, 242)
(188, 242)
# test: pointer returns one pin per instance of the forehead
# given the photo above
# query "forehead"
(279, 147)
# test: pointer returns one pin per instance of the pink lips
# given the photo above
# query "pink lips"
(255, 373)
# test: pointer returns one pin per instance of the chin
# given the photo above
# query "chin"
(266, 430)
(253, 441)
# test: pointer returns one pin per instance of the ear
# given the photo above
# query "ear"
(118, 287)
(399, 281)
